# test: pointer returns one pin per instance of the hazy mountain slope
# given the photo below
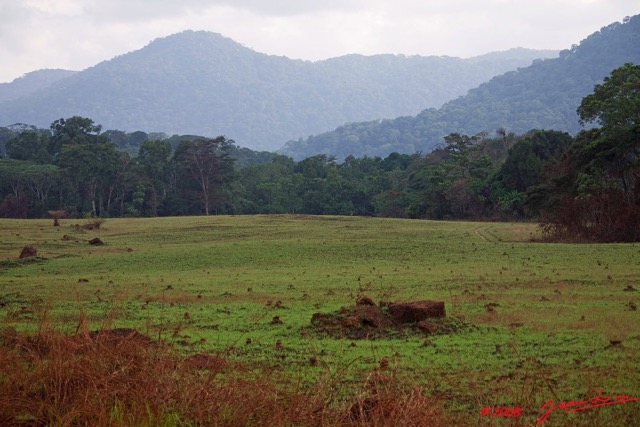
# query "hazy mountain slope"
(32, 82)
(501, 62)
(203, 83)
(544, 95)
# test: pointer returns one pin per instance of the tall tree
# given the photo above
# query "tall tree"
(595, 194)
(5, 135)
(25, 181)
(91, 167)
(207, 162)
(614, 104)
(74, 130)
(40, 179)
(515, 186)
(154, 157)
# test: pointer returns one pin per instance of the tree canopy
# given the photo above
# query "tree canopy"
(594, 193)
(614, 104)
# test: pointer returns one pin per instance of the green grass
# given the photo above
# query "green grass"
(210, 283)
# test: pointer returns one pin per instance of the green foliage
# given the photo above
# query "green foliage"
(154, 157)
(208, 165)
(91, 167)
(31, 146)
(5, 135)
(75, 130)
(544, 95)
(614, 104)
(187, 174)
(127, 141)
(593, 194)
(19, 177)
(525, 169)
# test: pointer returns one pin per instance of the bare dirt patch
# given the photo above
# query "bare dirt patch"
(366, 320)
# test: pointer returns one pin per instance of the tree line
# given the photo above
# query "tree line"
(581, 187)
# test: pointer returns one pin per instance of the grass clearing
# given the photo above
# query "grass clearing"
(215, 284)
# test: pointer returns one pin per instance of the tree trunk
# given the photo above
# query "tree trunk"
(205, 193)
(92, 196)
(154, 201)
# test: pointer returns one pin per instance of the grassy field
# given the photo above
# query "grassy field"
(537, 320)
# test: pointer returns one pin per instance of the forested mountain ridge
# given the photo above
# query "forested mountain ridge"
(544, 95)
(203, 83)
(32, 82)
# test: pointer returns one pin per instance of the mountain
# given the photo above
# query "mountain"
(544, 95)
(203, 83)
(32, 82)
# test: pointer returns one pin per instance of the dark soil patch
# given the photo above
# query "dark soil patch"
(96, 242)
(386, 320)
(412, 312)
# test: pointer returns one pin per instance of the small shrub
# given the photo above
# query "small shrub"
(94, 223)
(57, 215)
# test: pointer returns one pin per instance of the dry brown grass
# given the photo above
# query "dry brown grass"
(121, 377)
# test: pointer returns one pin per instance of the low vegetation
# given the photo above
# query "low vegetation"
(174, 321)
(120, 377)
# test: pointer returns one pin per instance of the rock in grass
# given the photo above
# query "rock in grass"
(28, 251)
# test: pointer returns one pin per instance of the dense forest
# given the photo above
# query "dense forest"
(580, 188)
(203, 83)
(77, 167)
(544, 95)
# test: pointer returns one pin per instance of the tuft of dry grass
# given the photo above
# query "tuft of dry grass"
(121, 377)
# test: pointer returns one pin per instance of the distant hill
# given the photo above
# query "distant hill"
(32, 82)
(203, 83)
(544, 95)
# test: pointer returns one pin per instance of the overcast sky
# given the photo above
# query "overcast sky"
(77, 34)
